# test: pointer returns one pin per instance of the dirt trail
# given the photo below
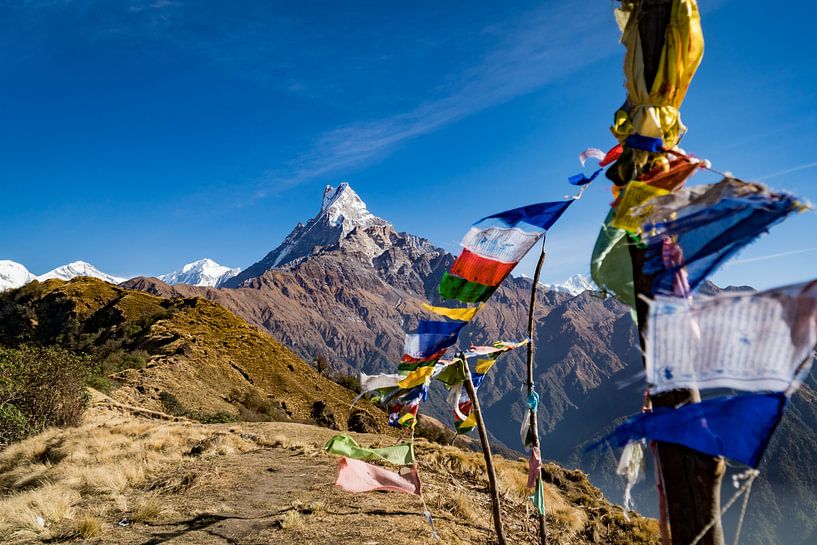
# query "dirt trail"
(127, 479)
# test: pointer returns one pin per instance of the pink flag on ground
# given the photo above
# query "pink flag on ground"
(534, 467)
(357, 476)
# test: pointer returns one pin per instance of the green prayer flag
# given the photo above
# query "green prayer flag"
(538, 497)
(611, 266)
(342, 445)
(451, 374)
(454, 287)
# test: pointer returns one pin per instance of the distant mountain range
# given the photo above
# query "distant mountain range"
(342, 211)
(14, 275)
(204, 272)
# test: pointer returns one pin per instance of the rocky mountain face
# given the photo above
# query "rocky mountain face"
(204, 272)
(342, 211)
(347, 285)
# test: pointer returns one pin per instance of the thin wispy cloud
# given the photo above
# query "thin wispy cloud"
(532, 52)
(796, 168)
(772, 256)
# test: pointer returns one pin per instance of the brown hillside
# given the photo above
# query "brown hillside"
(197, 358)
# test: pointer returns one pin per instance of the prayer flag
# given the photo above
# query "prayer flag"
(709, 224)
(646, 143)
(747, 341)
(534, 467)
(454, 287)
(539, 216)
(492, 248)
(634, 206)
(736, 427)
(342, 445)
(356, 476)
(611, 266)
(369, 383)
(538, 497)
(504, 244)
(417, 377)
(461, 314)
(481, 270)
(431, 338)
(453, 376)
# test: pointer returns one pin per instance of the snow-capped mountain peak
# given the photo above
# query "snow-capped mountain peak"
(342, 212)
(576, 284)
(342, 206)
(79, 268)
(13, 275)
(204, 272)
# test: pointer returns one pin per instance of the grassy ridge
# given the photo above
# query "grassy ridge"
(184, 356)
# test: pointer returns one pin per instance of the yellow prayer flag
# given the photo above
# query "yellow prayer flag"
(469, 423)
(483, 366)
(416, 377)
(461, 314)
(635, 195)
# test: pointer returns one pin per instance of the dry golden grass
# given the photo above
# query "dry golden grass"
(454, 460)
(47, 480)
(292, 521)
(459, 504)
(88, 527)
(148, 510)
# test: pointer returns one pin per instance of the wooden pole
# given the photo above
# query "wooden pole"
(534, 428)
(486, 451)
(692, 480)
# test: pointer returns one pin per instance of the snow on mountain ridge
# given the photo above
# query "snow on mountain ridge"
(576, 284)
(343, 220)
(13, 275)
(204, 272)
(79, 268)
(342, 210)
(341, 205)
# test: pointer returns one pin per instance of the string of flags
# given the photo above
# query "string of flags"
(492, 247)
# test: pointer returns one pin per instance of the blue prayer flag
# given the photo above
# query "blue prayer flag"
(646, 143)
(542, 215)
(715, 224)
(431, 337)
(738, 427)
(581, 179)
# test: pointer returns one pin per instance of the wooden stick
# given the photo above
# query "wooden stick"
(534, 429)
(486, 451)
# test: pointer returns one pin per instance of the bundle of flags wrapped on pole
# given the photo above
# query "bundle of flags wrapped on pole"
(660, 241)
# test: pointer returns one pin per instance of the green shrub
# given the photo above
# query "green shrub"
(40, 387)
(13, 424)
(220, 417)
(350, 382)
(171, 405)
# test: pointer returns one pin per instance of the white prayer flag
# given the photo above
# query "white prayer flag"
(748, 341)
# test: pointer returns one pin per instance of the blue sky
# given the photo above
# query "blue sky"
(143, 135)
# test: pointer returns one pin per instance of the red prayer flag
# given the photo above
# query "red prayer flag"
(481, 270)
